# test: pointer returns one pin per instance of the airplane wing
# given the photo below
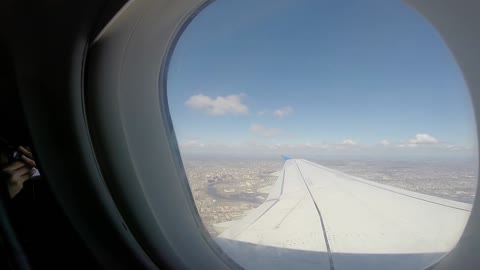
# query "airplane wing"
(319, 218)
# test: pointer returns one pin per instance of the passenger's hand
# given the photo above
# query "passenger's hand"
(27, 156)
(17, 172)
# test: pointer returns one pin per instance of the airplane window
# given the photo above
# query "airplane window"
(324, 134)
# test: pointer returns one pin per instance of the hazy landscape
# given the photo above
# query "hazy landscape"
(224, 189)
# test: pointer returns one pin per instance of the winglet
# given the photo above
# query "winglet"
(285, 157)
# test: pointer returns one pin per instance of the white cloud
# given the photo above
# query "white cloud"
(261, 113)
(423, 139)
(218, 106)
(453, 147)
(384, 142)
(348, 142)
(262, 148)
(302, 147)
(192, 144)
(317, 145)
(408, 145)
(263, 131)
(283, 111)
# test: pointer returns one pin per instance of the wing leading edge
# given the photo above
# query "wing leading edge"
(318, 217)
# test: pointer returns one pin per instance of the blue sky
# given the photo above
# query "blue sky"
(317, 76)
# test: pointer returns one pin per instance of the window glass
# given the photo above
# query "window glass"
(324, 133)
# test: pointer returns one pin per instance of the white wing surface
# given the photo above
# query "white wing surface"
(319, 218)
